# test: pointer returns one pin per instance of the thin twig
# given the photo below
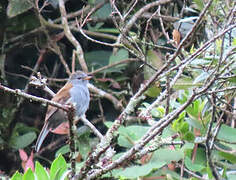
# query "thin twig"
(94, 40)
(92, 127)
(117, 104)
(57, 50)
(191, 172)
(168, 95)
(101, 147)
(113, 5)
(162, 25)
(130, 9)
(73, 62)
(71, 38)
(114, 64)
(152, 132)
(33, 98)
(208, 138)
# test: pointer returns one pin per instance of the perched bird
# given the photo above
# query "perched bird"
(75, 91)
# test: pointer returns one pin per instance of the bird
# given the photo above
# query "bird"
(76, 92)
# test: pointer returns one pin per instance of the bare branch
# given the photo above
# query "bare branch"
(69, 35)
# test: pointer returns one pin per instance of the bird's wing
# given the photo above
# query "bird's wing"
(61, 97)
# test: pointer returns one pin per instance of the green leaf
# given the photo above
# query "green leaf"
(130, 134)
(193, 109)
(218, 46)
(183, 96)
(125, 141)
(184, 127)
(227, 133)
(96, 27)
(184, 83)
(17, 176)
(229, 157)
(40, 172)
(209, 172)
(158, 112)
(234, 42)
(29, 175)
(154, 58)
(84, 145)
(224, 172)
(122, 54)
(167, 155)
(192, 166)
(232, 79)
(108, 124)
(108, 30)
(58, 168)
(178, 123)
(103, 12)
(82, 130)
(194, 123)
(97, 59)
(137, 171)
(63, 150)
(167, 132)
(16, 7)
(20, 142)
(200, 160)
(21, 129)
(153, 91)
(135, 131)
(189, 136)
(187, 146)
(200, 4)
(23, 24)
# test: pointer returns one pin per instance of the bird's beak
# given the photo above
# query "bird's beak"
(88, 77)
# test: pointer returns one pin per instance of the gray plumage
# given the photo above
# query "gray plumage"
(75, 91)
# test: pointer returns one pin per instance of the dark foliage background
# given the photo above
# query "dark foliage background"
(125, 50)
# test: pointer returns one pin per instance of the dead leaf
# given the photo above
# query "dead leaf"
(176, 36)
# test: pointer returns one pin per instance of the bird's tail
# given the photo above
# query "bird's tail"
(44, 132)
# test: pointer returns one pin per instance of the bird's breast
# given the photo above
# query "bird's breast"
(79, 95)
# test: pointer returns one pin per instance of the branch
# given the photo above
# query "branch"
(82, 11)
(152, 132)
(139, 13)
(103, 145)
(71, 38)
(41, 83)
(92, 127)
(57, 50)
(33, 98)
(117, 104)
(72, 128)
(114, 64)
(208, 146)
